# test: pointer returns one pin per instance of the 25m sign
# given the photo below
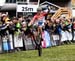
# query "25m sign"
(27, 8)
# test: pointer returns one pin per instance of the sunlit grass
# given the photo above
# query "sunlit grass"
(59, 53)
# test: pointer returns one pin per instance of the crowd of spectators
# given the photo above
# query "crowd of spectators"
(61, 30)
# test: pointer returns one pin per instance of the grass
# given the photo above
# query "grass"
(59, 53)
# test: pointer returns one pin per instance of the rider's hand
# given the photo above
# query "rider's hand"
(49, 7)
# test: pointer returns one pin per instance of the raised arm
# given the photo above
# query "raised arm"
(32, 21)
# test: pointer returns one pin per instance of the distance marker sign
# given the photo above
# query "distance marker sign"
(27, 8)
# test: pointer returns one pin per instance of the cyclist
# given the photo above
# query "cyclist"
(38, 21)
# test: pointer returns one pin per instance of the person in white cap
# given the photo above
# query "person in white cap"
(5, 18)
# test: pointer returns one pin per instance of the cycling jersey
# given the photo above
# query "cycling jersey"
(39, 19)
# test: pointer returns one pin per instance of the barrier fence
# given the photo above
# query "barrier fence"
(18, 42)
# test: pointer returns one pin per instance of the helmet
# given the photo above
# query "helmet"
(39, 9)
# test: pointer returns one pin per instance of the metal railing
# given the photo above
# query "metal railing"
(10, 1)
(14, 1)
(21, 0)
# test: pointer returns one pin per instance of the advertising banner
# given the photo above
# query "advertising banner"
(73, 4)
(73, 7)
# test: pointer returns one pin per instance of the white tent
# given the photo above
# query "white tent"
(46, 3)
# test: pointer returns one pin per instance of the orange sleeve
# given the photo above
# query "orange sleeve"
(44, 13)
